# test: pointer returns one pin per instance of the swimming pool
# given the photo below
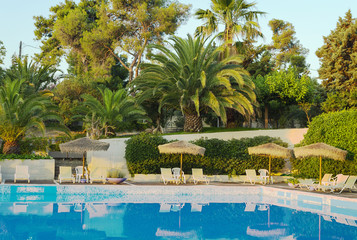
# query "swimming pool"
(172, 212)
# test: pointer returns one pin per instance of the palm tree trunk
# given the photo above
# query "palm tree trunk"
(266, 117)
(232, 121)
(193, 123)
(11, 147)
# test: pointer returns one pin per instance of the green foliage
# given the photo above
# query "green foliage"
(96, 34)
(43, 144)
(238, 17)
(37, 77)
(221, 157)
(340, 100)
(115, 109)
(2, 52)
(338, 129)
(143, 146)
(293, 180)
(195, 84)
(289, 51)
(281, 90)
(23, 156)
(22, 114)
(115, 173)
(67, 95)
(338, 56)
(287, 85)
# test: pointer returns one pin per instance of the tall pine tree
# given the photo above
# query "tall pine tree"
(338, 58)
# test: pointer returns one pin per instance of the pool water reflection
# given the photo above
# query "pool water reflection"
(31, 220)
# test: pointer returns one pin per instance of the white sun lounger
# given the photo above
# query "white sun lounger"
(167, 176)
(197, 176)
(98, 175)
(22, 173)
(65, 174)
(252, 176)
(341, 184)
(326, 180)
(348, 185)
(306, 183)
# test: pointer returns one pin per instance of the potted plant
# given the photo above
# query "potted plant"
(115, 176)
(293, 182)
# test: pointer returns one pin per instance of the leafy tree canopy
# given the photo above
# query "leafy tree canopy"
(95, 34)
(2, 52)
(288, 50)
(338, 58)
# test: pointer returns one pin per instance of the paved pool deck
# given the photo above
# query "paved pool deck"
(283, 186)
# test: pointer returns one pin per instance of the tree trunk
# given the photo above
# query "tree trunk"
(193, 123)
(266, 117)
(232, 121)
(11, 147)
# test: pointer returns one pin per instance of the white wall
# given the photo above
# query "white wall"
(39, 169)
(114, 157)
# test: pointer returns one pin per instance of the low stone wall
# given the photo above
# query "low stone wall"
(39, 169)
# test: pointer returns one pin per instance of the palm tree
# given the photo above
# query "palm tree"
(20, 114)
(240, 24)
(237, 16)
(117, 107)
(191, 79)
(36, 76)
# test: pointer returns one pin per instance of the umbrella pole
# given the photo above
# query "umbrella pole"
(181, 168)
(84, 155)
(320, 169)
(269, 168)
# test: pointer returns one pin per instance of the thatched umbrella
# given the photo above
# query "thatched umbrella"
(320, 150)
(82, 145)
(271, 150)
(181, 147)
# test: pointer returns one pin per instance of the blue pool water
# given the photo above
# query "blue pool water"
(167, 221)
(170, 212)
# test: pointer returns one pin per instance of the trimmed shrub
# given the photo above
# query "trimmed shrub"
(23, 156)
(221, 157)
(338, 129)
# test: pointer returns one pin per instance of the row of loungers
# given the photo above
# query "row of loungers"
(337, 184)
(98, 175)
(174, 175)
(21, 173)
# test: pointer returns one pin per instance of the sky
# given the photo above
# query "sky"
(312, 20)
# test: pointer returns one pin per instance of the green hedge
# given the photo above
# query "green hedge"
(28, 145)
(338, 129)
(221, 157)
(23, 156)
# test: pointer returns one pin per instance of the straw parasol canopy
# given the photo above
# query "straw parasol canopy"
(85, 144)
(181, 147)
(82, 145)
(320, 150)
(271, 150)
